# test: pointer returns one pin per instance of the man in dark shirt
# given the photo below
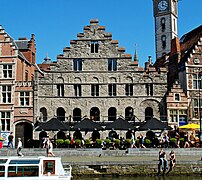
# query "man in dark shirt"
(10, 140)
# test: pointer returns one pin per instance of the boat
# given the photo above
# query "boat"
(40, 168)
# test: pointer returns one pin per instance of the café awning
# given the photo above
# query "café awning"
(53, 124)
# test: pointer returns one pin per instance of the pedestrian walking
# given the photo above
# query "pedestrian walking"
(10, 140)
(19, 148)
(50, 148)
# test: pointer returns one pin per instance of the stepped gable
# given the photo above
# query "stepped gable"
(188, 42)
(80, 47)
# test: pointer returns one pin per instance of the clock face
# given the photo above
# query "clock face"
(162, 6)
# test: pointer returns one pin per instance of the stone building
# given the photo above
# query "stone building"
(17, 66)
(94, 77)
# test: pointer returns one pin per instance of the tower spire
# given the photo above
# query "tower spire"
(136, 54)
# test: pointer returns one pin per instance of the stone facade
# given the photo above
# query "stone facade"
(95, 78)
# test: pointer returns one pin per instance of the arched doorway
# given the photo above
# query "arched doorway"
(77, 114)
(148, 113)
(61, 114)
(24, 130)
(112, 114)
(95, 114)
(129, 114)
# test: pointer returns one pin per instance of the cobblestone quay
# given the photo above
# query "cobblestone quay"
(130, 162)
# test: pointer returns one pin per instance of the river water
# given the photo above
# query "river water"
(144, 178)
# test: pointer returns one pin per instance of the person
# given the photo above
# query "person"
(133, 140)
(141, 141)
(166, 140)
(186, 140)
(192, 139)
(50, 148)
(172, 160)
(163, 163)
(19, 147)
(10, 140)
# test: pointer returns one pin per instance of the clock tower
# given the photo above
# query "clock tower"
(166, 15)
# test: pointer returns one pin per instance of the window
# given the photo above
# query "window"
(174, 24)
(129, 89)
(149, 89)
(6, 94)
(5, 121)
(182, 115)
(174, 115)
(177, 97)
(77, 64)
(94, 46)
(23, 171)
(77, 90)
(95, 90)
(112, 89)
(196, 81)
(196, 108)
(112, 64)
(7, 71)
(163, 24)
(60, 90)
(26, 76)
(24, 98)
(163, 39)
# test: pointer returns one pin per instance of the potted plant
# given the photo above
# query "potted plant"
(107, 142)
(87, 143)
(137, 143)
(117, 143)
(128, 143)
(98, 143)
(181, 142)
(173, 142)
(147, 142)
(67, 142)
(59, 143)
(78, 143)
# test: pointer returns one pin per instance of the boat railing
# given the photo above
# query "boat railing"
(68, 170)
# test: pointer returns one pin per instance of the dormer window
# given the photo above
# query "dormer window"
(163, 24)
(94, 46)
(177, 97)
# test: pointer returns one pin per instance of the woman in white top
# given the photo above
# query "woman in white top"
(19, 147)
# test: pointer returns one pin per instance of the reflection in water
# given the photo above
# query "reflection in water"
(144, 178)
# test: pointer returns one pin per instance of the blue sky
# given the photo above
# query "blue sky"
(56, 22)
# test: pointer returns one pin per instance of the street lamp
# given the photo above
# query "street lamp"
(197, 62)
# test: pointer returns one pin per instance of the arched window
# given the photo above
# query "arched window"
(61, 114)
(43, 112)
(129, 114)
(148, 113)
(163, 24)
(112, 114)
(163, 40)
(77, 114)
(95, 114)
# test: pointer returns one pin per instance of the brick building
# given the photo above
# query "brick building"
(17, 65)
(95, 78)
(184, 63)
